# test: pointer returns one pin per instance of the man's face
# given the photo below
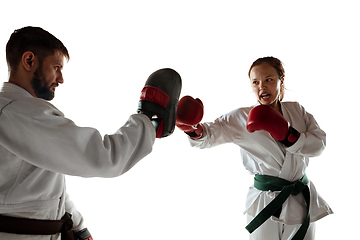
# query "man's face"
(48, 76)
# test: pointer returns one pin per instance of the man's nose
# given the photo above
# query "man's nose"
(60, 78)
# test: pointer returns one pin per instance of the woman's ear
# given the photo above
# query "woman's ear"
(27, 60)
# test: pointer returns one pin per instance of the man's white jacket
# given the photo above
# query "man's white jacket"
(39, 146)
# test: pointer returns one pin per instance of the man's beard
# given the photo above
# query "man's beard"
(39, 86)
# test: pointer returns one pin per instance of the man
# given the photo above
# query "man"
(38, 145)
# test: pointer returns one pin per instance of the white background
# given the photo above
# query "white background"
(178, 192)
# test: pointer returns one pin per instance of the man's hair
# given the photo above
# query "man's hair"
(34, 39)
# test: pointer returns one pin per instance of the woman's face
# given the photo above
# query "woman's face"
(266, 85)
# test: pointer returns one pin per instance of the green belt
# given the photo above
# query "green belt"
(271, 183)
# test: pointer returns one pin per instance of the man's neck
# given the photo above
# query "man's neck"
(23, 83)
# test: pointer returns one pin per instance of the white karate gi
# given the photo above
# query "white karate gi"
(38, 145)
(262, 154)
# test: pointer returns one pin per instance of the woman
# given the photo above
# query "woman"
(276, 140)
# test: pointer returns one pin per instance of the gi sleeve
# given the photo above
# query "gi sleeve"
(221, 130)
(78, 220)
(37, 132)
(312, 142)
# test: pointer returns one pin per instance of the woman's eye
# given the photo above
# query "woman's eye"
(269, 79)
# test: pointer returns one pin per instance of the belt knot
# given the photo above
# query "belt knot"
(286, 188)
(298, 187)
(66, 232)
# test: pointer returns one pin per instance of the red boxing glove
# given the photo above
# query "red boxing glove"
(266, 118)
(189, 113)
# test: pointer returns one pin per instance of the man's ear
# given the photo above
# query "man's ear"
(28, 60)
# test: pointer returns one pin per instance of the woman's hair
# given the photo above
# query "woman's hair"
(34, 39)
(275, 63)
